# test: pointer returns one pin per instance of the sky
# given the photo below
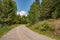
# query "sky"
(24, 5)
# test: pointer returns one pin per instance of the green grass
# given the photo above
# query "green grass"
(5, 29)
(48, 32)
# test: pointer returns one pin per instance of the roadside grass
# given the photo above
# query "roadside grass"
(5, 29)
(44, 28)
(46, 33)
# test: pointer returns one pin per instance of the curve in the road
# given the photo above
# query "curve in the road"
(23, 33)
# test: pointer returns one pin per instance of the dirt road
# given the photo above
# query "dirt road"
(23, 33)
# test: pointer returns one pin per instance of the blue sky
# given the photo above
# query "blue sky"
(24, 5)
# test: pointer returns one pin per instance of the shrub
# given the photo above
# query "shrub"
(43, 27)
(46, 27)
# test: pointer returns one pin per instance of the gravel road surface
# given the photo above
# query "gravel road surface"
(23, 33)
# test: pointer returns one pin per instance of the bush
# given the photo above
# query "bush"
(46, 27)
(43, 27)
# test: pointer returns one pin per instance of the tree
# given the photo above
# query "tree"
(0, 11)
(48, 8)
(34, 12)
(8, 11)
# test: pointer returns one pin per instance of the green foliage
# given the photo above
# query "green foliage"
(50, 9)
(34, 12)
(8, 9)
(7, 12)
(21, 20)
(56, 13)
(46, 27)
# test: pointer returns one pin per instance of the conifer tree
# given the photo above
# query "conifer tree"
(34, 12)
(8, 11)
(48, 8)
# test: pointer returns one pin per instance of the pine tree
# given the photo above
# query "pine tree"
(48, 7)
(34, 12)
(8, 11)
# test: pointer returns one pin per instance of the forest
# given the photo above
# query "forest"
(47, 9)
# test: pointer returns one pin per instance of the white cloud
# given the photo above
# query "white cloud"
(22, 13)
